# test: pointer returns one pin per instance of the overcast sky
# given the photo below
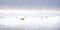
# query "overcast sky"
(31, 3)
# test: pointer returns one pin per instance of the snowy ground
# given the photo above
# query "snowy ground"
(30, 22)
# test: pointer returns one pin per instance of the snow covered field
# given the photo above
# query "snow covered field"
(30, 21)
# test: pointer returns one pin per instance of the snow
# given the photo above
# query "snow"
(30, 22)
